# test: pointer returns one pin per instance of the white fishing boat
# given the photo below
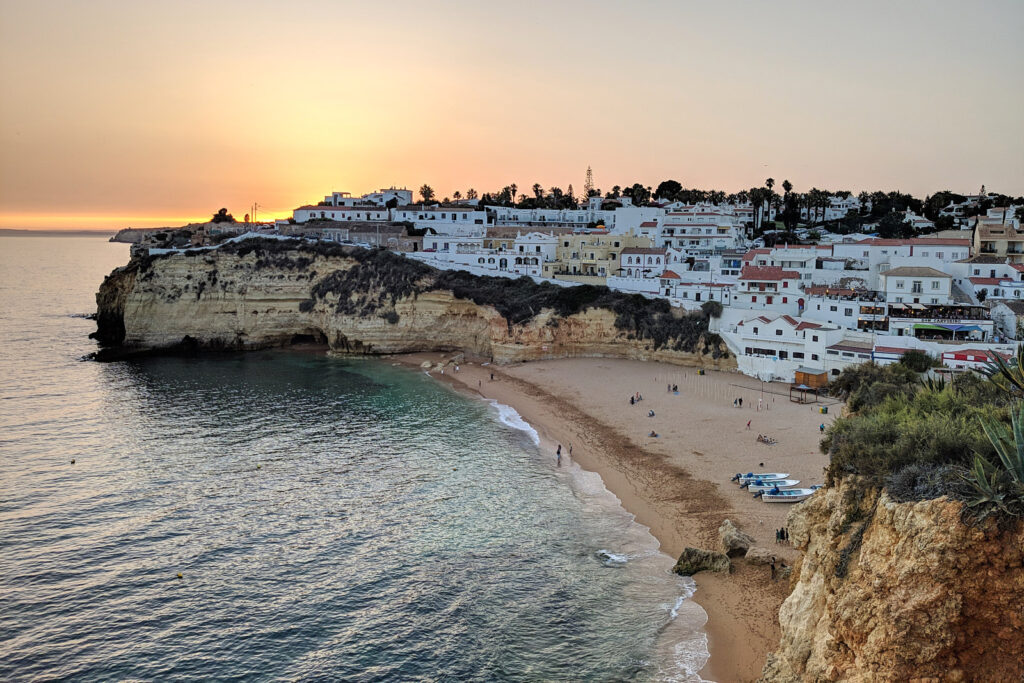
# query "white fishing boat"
(764, 476)
(770, 484)
(787, 495)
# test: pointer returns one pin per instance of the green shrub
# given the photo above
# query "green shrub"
(917, 360)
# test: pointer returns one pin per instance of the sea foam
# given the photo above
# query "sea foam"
(508, 415)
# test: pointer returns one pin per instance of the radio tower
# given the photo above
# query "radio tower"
(588, 185)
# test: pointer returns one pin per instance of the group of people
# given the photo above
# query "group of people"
(782, 535)
(761, 438)
(558, 454)
(635, 398)
(670, 388)
(737, 402)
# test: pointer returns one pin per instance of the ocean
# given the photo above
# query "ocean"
(286, 515)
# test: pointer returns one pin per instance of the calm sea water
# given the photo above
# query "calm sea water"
(330, 518)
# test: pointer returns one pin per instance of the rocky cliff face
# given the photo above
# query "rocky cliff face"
(892, 591)
(272, 294)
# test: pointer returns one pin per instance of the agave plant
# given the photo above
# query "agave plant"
(1009, 444)
(936, 384)
(1008, 375)
(1002, 487)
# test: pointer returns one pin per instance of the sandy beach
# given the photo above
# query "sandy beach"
(678, 483)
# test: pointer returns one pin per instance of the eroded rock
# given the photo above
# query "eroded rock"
(695, 560)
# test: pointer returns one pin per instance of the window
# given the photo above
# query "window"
(768, 299)
(778, 333)
(899, 284)
(814, 356)
(935, 284)
(753, 299)
(938, 254)
(916, 287)
(798, 355)
(785, 299)
(785, 284)
(833, 309)
(848, 311)
(755, 330)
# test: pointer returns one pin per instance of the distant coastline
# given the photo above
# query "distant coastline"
(22, 232)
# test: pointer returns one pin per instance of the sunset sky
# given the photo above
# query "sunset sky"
(144, 113)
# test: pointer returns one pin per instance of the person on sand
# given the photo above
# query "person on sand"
(821, 428)
(653, 434)
(650, 413)
(632, 401)
(773, 568)
(492, 376)
(668, 388)
(748, 423)
(558, 455)
(741, 401)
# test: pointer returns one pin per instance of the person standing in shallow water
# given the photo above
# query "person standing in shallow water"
(558, 455)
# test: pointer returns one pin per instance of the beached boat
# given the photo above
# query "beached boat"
(764, 476)
(770, 484)
(787, 495)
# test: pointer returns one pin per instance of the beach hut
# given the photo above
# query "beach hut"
(811, 377)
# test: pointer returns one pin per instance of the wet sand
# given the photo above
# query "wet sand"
(676, 484)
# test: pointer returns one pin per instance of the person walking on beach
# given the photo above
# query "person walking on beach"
(748, 424)
(558, 455)
(492, 376)
(773, 568)
(821, 428)
(741, 401)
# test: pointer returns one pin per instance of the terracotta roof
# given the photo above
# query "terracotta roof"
(851, 345)
(989, 280)
(668, 274)
(750, 255)
(643, 250)
(759, 273)
(649, 224)
(914, 271)
(804, 325)
(974, 352)
(890, 349)
(815, 290)
(915, 241)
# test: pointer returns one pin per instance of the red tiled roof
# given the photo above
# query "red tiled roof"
(973, 352)
(649, 224)
(989, 280)
(759, 273)
(670, 275)
(807, 326)
(643, 250)
(890, 349)
(749, 256)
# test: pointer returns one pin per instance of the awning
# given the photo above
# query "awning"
(917, 307)
(929, 326)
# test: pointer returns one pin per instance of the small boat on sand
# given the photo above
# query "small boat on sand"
(787, 495)
(770, 484)
(764, 476)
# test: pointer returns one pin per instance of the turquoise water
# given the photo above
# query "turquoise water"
(330, 519)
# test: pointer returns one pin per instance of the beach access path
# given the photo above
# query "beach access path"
(678, 483)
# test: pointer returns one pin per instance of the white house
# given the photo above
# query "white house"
(768, 288)
(641, 262)
(917, 285)
(340, 213)
(381, 198)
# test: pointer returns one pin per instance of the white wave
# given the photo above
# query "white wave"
(610, 559)
(507, 415)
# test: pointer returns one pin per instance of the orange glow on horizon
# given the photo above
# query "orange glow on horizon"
(119, 113)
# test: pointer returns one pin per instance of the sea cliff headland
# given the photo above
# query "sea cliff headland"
(884, 590)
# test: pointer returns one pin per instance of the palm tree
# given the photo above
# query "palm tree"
(456, 195)
(427, 193)
(770, 183)
(514, 189)
(538, 191)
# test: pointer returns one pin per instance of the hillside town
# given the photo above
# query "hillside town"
(799, 283)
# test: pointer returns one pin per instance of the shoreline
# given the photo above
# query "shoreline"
(678, 508)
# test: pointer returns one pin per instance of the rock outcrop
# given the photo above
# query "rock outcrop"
(263, 293)
(694, 560)
(735, 542)
(891, 591)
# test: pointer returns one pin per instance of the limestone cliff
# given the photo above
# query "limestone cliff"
(262, 293)
(891, 591)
